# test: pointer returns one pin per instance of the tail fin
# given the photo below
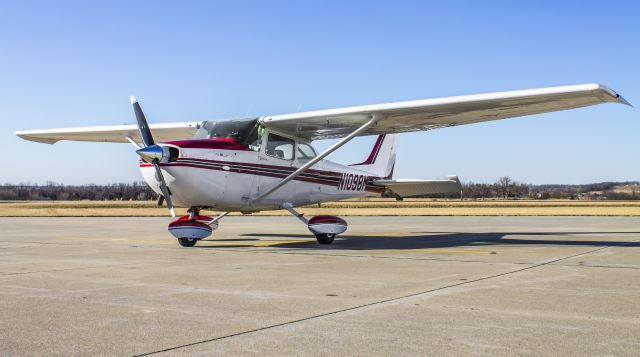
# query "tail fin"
(382, 158)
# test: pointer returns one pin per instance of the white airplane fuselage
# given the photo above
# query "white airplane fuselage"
(224, 175)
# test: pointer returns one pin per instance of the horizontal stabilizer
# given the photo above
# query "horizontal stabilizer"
(408, 188)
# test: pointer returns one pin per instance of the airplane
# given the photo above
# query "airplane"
(268, 162)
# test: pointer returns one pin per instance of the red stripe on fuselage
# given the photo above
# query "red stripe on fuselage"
(374, 152)
(262, 166)
(259, 170)
(214, 143)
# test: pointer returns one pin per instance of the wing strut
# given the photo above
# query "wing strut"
(136, 145)
(374, 117)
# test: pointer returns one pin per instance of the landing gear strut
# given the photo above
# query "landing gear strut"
(193, 227)
(325, 228)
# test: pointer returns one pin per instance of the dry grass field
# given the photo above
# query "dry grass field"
(360, 207)
(628, 189)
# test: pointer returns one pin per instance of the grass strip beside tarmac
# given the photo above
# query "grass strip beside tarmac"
(361, 207)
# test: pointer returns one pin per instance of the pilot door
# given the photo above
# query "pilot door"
(276, 161)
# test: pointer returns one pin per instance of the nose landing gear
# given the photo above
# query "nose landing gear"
(187, 242)
(193, 227)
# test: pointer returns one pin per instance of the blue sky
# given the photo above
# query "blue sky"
(67, 63)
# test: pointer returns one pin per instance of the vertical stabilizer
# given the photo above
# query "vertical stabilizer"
(382, 157)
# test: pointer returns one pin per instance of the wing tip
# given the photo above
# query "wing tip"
(25, 135)
(617, 98)
(621, 100)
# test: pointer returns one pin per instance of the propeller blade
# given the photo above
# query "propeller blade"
(151, 153)
(160, 200)
(145, 132)
(164, 188)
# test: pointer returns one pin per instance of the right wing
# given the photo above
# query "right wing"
(407, 188)
(427, 114)
(111, 133)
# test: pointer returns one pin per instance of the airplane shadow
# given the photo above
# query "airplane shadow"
(422, 240)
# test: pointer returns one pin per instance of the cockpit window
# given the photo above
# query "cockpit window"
(305, 152)
(245, 131)
(280, 147)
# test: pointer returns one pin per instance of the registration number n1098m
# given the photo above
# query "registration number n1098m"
(352, 182)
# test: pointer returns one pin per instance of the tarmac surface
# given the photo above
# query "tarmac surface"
(263, 286)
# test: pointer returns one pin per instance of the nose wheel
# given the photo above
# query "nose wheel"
(325, 238)
(187, 242)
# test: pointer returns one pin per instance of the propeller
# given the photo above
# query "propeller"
(151, 152)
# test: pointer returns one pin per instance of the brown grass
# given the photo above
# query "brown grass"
(628, 189)
(360, 207)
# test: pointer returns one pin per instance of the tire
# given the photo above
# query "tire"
(187, 242)
(325, 238)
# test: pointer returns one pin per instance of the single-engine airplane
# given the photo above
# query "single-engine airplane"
(268, 163)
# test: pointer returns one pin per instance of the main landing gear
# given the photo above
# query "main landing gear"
(325, 228)
(193, 227)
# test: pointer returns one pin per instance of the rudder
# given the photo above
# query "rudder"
(382, 157)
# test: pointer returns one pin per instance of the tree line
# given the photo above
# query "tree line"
(51, 191)
(506, 188)
(503, 188)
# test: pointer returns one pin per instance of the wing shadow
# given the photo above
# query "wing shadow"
(422, 240)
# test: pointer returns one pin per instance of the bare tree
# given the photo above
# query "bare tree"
(503, 186)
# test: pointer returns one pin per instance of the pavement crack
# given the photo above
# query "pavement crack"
(66, 269)
(374, 303)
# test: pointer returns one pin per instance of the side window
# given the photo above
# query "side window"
(280, 147)
(305, 152)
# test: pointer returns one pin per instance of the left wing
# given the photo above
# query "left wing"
(407, 188)
(111, 133)
(427, 114)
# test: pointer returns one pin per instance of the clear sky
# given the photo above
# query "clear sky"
(66, 63)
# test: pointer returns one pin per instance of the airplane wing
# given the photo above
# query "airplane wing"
(396, 117)
(111, 133)
(430, 114)
(407, 188)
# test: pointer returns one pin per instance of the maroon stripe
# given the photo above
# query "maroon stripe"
(323, 219)
(261, 166)
(251, 170)
(215, 143)
(374, 152)
(368, 188)
(257, 173)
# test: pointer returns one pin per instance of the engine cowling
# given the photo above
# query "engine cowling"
(184, 227)
(327, 225)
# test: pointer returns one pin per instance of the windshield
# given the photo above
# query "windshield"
(244, 131)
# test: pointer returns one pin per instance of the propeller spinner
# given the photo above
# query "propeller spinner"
(151, 152)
